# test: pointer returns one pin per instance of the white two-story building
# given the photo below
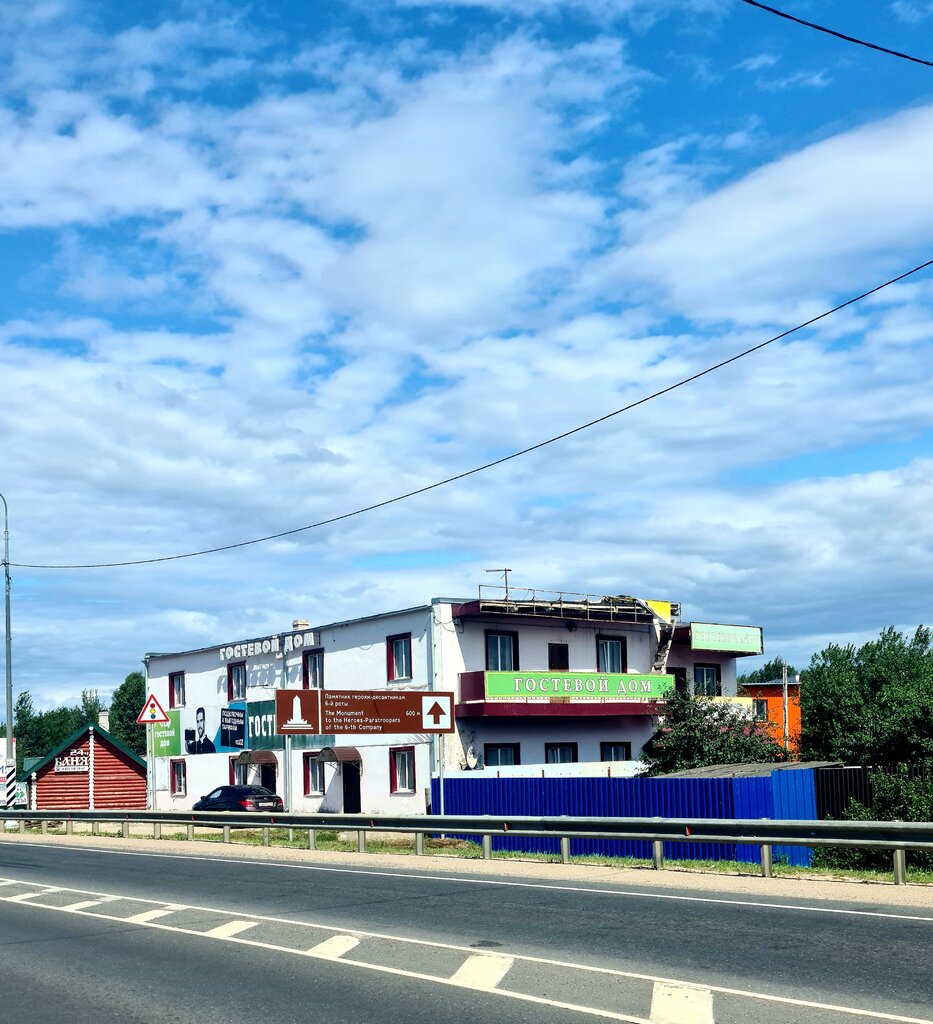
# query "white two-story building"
(540, 679)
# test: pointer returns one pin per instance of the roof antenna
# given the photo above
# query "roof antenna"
(505, 574)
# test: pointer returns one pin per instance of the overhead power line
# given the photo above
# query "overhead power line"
(838, 35)
(495, 462)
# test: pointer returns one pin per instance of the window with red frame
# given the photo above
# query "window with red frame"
(238, 772)
(314, 774)
(178, 777)
(236, 681)
(402, 769)
(313, 669)
(176, 690)
(398, 656)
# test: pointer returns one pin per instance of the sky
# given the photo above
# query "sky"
(266, 264)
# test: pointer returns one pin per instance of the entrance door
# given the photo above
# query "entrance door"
(351, 787)
(267, 776)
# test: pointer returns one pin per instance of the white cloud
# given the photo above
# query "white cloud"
(912, 11)
(775, 244)
(376, 263)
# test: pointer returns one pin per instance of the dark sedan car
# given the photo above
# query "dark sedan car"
(240, 798)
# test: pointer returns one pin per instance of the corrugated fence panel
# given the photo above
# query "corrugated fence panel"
(785, 794)
(794, 799)
(751, 799)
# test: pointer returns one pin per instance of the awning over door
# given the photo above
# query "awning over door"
(257, 757)
(340, 755)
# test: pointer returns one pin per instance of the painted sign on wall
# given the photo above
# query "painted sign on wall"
(626, 686)
(201, 730)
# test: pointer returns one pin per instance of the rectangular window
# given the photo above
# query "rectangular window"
(611, 655)
(236, 681)
(238, 772)
(313, 670)
(707, 680)
(501, 652)
(178, 777)
(497, 754)
(761, 711)
(680, 678)
(176, 690)
(398, 657)
(314, 774)
(402, 769)
(560, 753)
(558, 657)
(613, 751)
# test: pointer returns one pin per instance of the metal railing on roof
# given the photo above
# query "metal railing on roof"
(556, 604)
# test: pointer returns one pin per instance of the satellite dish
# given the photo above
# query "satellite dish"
(471, 759)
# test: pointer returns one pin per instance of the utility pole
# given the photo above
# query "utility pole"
(10, 789)
(784, 702)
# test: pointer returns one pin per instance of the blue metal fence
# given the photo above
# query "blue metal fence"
(788, 794)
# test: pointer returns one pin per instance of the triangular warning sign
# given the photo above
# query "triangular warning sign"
(152, 713)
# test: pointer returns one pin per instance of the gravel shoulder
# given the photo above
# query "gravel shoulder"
(796, 889)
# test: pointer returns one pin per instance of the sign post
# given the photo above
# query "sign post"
(151, 715)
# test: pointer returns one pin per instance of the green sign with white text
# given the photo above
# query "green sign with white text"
(710, 636)
(626, 686)
(166, 739)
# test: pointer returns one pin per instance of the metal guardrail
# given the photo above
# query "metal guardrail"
(896, 836)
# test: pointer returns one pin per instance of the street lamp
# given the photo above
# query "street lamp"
(9, 664)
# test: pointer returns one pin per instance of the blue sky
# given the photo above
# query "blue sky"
(266, 264)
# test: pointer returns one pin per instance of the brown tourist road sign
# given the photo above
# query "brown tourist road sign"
(379, 712)
(386, 712)
(297, 712)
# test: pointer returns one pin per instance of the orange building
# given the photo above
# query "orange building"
(769, 709)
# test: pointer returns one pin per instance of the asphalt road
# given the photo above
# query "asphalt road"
(107, 936)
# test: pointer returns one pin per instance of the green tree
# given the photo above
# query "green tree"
(39, 732)
(768, 673)
(125, 707)
(870, 705)
(24, 728)
(696, 732)
(91, 706)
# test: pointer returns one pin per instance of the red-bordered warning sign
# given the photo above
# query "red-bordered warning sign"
(152, 713)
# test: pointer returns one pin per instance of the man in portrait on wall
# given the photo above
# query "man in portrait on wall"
(197, 741)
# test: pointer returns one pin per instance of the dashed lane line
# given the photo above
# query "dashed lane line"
(23, 896)
(334, 947)
(678, 1004)
(485, 971)
(83, 904)
(231, 928)
(149, 915)
(606, 971)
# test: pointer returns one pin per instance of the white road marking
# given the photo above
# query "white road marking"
(84, 904)
(677, 1004)
(747, 994)
(147, 915)
(483, 971)
(23, 896)
(231, 928)
(494, 881)
(335, 947)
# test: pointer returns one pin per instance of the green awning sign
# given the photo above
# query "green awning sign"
(611, 686)
(711, 636)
